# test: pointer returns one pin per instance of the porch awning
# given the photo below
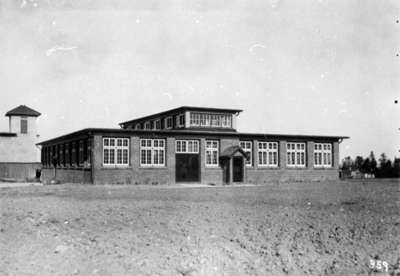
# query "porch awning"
(232, 150)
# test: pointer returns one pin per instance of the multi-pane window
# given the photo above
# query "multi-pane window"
(24, 125)
(322, 155)
(268, 154)
(212, 148)
(115, 151)
(147, 125)
(168, 122)
(152, 152)
(137, 126)
(157, 124)
(180, 120)
(210, 120)
(187, 146)
(296, 154)
(247, 148)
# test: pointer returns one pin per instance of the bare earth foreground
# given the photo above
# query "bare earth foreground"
(294, 228)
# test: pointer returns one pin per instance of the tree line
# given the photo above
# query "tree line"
(383, 168)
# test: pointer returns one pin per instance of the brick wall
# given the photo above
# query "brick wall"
(67, 175)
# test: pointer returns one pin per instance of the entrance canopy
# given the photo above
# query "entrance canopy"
(233, 151)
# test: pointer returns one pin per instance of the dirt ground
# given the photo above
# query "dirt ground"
(320, 228)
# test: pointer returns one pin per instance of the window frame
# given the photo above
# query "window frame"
(297, 152)
(166, 120)
(179, 146)
(152, 148)
(322, 150)
(212, 150)
(24, 127)
(249, 163)
(124, 153)
(178, 120)
(158, 121)
(270, 148)
(147, 125)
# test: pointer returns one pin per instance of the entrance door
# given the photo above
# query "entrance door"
(187, 168)
(237, 169)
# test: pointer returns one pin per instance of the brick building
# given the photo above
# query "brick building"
(188, 144)
(19, 155)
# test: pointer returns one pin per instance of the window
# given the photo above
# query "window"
(296, 154)
(157, 124)
(115, 151)
(322, 155)
(137, 126)
(168, 122)
(180, 120)
(212, 153)
(210, 120)
(187, 146)
(247, 147)
(24, 125)
(268, 154)
(147, 125)
(152, 152)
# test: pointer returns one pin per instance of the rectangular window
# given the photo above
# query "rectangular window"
(210, 120)
(187, 146)
(152, 152)
(137, 126)
(180, 120)
(322, 155)
(147, 125)
(115, 151)
(24, 125)
(247, 147)
(268, 154)
(168, 122)
(296, 154)
(212, 152)
(157, 124)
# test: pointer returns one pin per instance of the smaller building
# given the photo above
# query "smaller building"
(188, 145)
(19, 154)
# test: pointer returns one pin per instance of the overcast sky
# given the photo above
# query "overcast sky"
(294, 67)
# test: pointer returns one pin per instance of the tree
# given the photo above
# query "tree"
(358, 163)
(396, 168)
(366, 166)
(373, 164)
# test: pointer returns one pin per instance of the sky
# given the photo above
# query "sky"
(294, 67)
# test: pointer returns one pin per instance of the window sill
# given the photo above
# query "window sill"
(154, 167)
(323, 168)
(115, 167)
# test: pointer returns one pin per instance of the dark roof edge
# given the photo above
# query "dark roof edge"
(7, 134)
(183, 108)
(90, 131)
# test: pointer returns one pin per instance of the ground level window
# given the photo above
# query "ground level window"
(296, 154)
(115, 151)
(247, 147)
(187, 146)
(212, 152)
(152, 152)
(322, 155)
(267, 154)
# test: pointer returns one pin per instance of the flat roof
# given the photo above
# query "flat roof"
(111, 131)
(7, 134)
(183, 108)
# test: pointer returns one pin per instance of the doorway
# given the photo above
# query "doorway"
(238, 169)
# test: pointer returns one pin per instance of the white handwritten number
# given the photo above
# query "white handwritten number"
(378, 264)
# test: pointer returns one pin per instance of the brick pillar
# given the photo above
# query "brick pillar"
(202, 159)
(230, 180)
(255, 154)
(134, 152)
(170, 158)
(282, 154)
(97, 151)
(310, 154)
(336, 155)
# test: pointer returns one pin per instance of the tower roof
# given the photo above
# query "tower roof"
(23, 110)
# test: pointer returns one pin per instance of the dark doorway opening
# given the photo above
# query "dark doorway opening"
(238, 169)
(187, 168)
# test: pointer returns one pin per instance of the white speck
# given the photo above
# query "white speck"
(322, 76)
(50, 51)
(251, 49)
(53, 23)
(137, 20)
(23, 4)
(168, 95)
